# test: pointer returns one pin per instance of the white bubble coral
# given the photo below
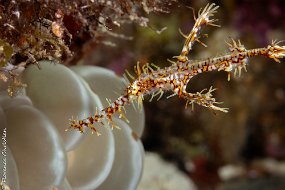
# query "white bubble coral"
(44, 156)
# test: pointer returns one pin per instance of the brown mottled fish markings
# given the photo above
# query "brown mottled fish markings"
(154, 81)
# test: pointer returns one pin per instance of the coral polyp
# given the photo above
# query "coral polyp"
(154, 81)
